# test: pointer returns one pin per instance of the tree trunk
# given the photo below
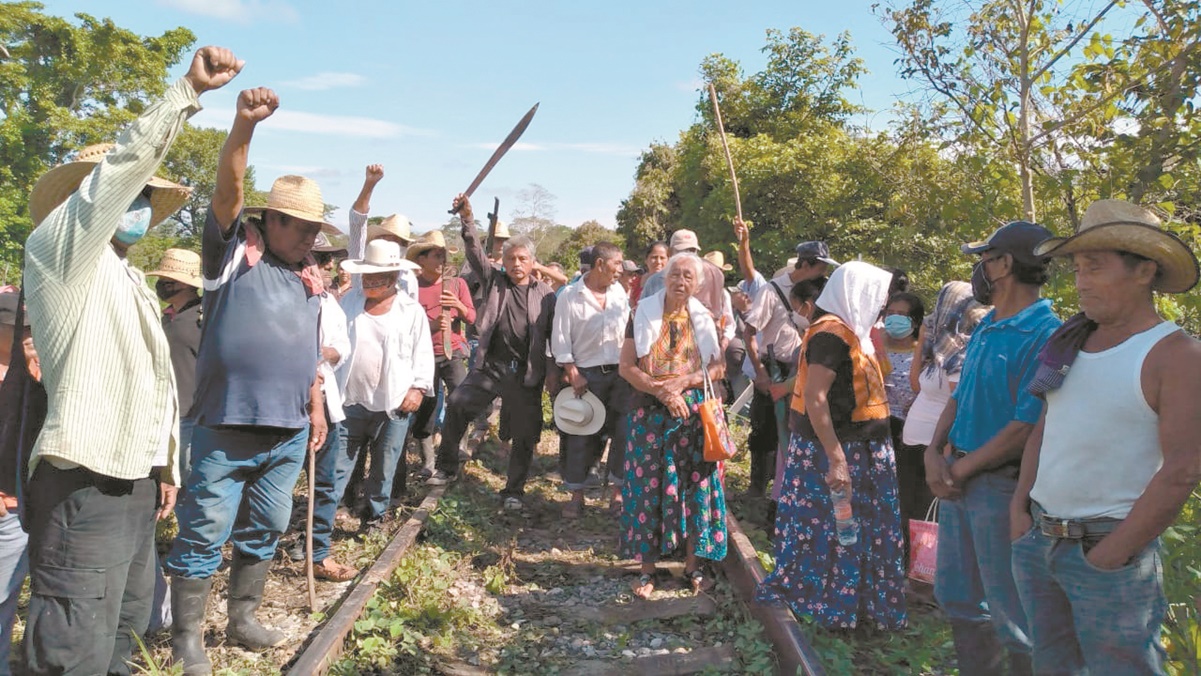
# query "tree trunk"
(1024, 148)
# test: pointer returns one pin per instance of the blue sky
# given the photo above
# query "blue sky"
(429, 88)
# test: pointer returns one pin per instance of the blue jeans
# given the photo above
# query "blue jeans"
(241, 485)
(383, 437)
(14, 566)
(186, 427)
(974, 581)
(1085, 620)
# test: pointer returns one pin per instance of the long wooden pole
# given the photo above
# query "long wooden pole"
(308, 533)
(721, 128)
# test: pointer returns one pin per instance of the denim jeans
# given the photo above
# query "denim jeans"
(14, 566)
(241, 487)
(974, 581)
(186, 426)
(1084, 620)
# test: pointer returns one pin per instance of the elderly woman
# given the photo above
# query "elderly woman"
(841, 443)
(672, 498)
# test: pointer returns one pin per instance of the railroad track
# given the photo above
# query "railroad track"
(742, 571)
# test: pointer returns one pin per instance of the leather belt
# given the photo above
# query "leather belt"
(1071, 529)
(603, 368)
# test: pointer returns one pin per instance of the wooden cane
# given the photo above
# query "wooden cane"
(726, 146)
(308, 534)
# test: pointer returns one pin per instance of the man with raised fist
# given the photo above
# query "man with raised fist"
(103, 469)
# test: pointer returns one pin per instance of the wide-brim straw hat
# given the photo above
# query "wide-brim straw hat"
(396, 225)
(381, 256)
(434, 239)
(298, 197)
(180, 265)
(1117, 225)
(580, 416)
(719, 259)
(56, 185)
(502, 231)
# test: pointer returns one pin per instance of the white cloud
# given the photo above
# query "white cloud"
(238, 11)
(593, 148)
(314, 123)
(690, 86)
(323, 81)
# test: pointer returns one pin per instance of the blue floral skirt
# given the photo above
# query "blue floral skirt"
(670, 492)
(839, 586)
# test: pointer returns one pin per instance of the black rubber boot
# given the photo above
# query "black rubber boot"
(188, 599)
(246, 581)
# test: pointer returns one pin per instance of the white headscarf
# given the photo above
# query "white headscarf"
(855, 294)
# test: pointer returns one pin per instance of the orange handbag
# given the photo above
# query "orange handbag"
(718, 444)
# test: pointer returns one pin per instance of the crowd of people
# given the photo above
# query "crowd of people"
(1059, 451)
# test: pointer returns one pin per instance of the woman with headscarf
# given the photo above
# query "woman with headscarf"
(672, 498)
(841, 442)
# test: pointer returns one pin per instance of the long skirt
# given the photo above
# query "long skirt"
(839, 586)
(670, 493)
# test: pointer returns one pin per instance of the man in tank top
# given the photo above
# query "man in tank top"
(1114, 456)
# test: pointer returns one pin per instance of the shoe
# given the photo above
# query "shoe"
(593, 479)
(295, 552)
(189, 596)
(514, 504)
(440, 478)
(247, 578)
(423, 474)
(331, 570)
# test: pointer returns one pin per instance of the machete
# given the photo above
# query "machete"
(503, 148)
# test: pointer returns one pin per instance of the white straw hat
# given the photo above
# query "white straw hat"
(579, 416)
(1117, 225)
(380, 256)
(719, 259)
(56, 185)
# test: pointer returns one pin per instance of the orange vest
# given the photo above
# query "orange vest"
(871, 402)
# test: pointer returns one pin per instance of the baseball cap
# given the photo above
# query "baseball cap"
(9, 302)
(1017, 238)
(628, 265)
(684, 240)
(817, 250)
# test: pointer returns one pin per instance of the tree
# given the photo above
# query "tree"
(192, 161)
(67, 85)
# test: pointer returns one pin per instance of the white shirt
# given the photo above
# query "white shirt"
(583, 333)
(391, 354)
(927, 407)
(772, 321)
(333, 335)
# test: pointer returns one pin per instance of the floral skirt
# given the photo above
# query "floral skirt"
(670, 492)
(839, 586)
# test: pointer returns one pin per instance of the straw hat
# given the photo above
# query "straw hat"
(1117, 225)
(396, 225)
(56, 185)
(719, 259)
(381, 256)
(502, 231)
(581, 416)
(298, 197)
(323, 244)
(434, 239)
(789, 266)
(180, 265)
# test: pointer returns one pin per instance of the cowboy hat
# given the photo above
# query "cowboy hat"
(56, 185)
(180, 265)
(434, 239)
(580, 416)
(323, 244)
(298, 197)
(396, 225)
(1117, 225)
(719, 259)
(789, 266)
(380, 256)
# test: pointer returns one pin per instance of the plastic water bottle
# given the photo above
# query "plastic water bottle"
(844, 520)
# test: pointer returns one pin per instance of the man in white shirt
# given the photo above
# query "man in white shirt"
(389, 371)
(586, 337)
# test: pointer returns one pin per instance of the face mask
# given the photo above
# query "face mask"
(135, 222)
(799, 319)
(898, 326)
(981, 284)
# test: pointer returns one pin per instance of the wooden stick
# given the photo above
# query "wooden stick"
(726, 146)
(308, 533)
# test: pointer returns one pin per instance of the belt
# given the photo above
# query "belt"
(1071, 529)
(603, 368)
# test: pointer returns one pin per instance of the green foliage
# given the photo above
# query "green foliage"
(1182, 587)
(67, 85)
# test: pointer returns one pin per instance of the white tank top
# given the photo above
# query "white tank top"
(1101, 439)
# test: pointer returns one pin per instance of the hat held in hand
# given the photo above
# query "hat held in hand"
(580, 416)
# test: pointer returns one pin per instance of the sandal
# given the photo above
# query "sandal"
(644, 587)
(331, 570)
(699, 581)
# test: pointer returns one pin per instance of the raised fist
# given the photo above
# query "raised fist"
(256, 105)
(375, 172)
(462, 207)
(212, 68)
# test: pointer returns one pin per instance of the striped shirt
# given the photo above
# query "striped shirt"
(105, 361)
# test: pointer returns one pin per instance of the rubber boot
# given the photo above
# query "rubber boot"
(246, 581)
(428, 454)
(189, 596)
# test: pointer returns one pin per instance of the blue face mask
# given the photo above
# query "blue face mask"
(898, 326)
(135, 222)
